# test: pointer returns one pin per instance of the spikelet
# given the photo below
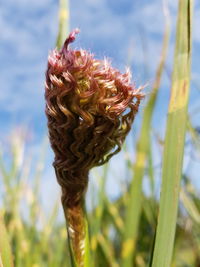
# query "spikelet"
(90, 107)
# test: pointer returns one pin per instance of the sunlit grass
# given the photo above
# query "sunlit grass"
(174, 139)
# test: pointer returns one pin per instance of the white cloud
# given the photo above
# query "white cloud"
(25, 40)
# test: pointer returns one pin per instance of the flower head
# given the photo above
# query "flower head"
(90, 107)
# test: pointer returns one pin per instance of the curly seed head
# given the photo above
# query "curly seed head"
(90, 107)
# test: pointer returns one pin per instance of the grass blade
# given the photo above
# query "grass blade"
(174, 140)
(190, 206)
(63, 22)
(5, 251)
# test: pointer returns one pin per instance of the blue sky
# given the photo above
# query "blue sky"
(126, 31)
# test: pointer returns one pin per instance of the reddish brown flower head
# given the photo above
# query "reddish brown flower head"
(90, 107)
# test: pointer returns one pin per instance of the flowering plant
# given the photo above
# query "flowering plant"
(90, 107)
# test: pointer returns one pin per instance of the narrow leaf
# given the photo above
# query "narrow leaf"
(174, 139)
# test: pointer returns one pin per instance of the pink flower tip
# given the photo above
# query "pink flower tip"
(70, 39)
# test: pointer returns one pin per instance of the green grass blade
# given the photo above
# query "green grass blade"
(190, 206)
(195, 137)
(134, 205)
(108, 250)
(5, 250)
(63, 22)
(115, 216)
(174, 140)
(96, 219)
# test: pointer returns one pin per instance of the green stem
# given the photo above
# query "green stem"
(174, 140)
(63, 22)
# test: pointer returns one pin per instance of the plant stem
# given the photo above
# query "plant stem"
(63, 22)
(74, 186)
(77, 228)
(174, 140)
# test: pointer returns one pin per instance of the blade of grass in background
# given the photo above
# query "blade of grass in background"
(96, 220)
(193, 133)
(175, 139)
(190, 207)
(12, 185)
(134, 205)
(5, 250)
(63, 22)
(108, 250)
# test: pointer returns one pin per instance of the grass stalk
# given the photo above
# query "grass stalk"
(78, 236)
(63, 22)
(174, 139)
